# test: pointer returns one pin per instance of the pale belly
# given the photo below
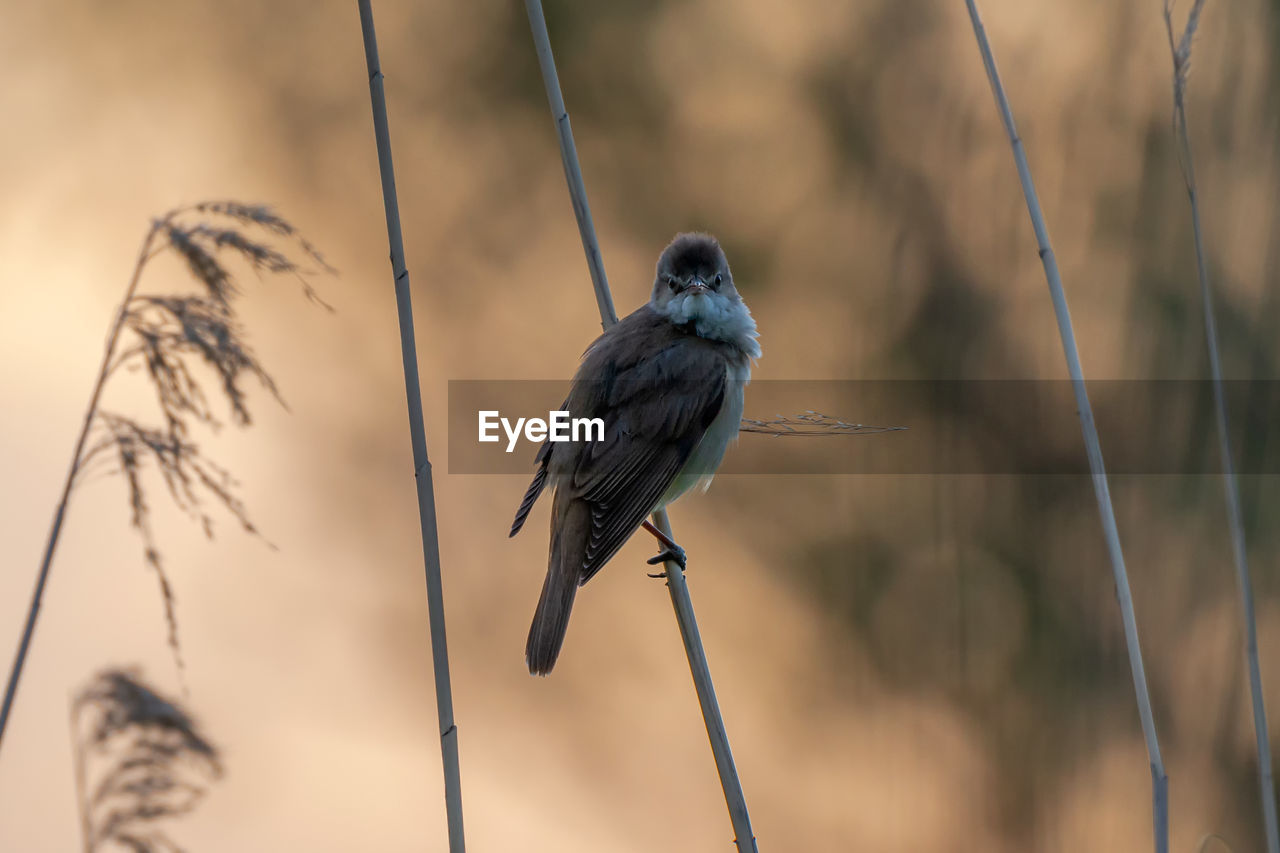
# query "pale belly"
(701, 467)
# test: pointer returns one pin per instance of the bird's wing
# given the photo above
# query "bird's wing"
(655, 412)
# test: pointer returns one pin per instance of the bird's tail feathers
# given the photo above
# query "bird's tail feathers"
(564, 573)
(530, 497)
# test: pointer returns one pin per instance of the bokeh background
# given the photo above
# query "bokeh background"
(905, 663)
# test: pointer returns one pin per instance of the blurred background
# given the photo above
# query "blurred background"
(904, 663)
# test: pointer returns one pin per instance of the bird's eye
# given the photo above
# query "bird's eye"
(719, 278)
(673, 282)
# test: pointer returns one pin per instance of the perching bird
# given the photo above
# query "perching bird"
(668, 381)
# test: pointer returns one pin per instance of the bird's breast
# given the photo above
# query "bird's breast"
(701, 466)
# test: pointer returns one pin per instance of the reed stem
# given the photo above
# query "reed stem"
(418, 441)
(55, 531)
(679, 589)
(1159, 779)
(1181, 54)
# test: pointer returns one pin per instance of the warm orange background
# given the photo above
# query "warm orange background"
(904, 664)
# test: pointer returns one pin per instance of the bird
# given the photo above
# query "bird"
(668, 380)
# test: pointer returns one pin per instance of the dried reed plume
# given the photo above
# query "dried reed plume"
(810, 423)
(1180, 50)
(177, 339)
(139, 760)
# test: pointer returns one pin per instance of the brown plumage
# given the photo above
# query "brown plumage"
(663, 379)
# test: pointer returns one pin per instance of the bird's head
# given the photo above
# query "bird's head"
(693, 274)
(693, 285)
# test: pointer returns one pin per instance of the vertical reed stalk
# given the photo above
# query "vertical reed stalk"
(77, 457)
(418, 440)
(680, 600)
(1180, 51)
(1159, 779)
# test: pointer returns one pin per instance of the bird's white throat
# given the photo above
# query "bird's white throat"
(714, 316)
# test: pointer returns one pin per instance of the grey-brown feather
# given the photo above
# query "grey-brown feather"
(668, 383)
(535, 489)
(613, 523)
(570, 527)
(657, 387)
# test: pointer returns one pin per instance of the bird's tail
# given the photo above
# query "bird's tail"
(570, 525)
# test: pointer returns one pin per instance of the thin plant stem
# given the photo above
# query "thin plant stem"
(418, 440)
(1181, 53)
(42, 579)
(679, 589)
(1159, 779)
(569, 157)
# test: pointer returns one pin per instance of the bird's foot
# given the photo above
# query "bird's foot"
(675, 553)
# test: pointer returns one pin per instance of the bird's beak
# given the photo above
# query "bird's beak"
(697, 285)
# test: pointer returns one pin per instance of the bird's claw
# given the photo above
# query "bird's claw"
(674, 553)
